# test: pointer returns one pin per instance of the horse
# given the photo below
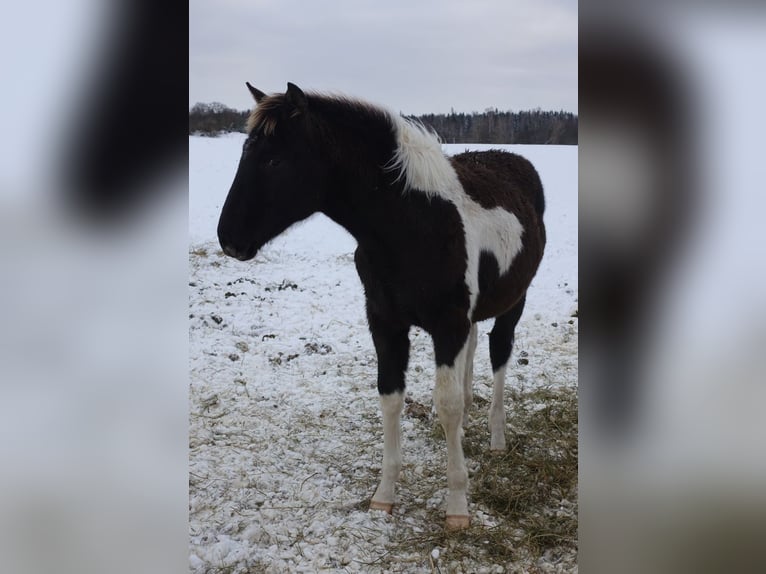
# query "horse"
(442, 243)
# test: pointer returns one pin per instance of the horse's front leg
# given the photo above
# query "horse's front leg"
(451, 345)
(392, 345)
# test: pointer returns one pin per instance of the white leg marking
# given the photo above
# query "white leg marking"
(391, 405)
(468, 376)
(448, 398)
(497, 412)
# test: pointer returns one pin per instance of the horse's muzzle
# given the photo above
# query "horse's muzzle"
(243, 255)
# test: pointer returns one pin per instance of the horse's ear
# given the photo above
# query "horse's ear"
(296, 97)
(257, 94)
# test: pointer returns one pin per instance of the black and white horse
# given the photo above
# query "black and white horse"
(442, 244)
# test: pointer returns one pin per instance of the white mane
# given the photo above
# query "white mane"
(420, 161)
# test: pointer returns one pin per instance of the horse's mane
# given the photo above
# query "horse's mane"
(418, 159)
(267, 113)
(264, 116)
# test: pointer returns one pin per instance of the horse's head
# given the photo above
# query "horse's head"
(279, 181)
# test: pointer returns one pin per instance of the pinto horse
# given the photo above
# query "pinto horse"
(443, 243)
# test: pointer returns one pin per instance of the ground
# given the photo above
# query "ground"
(285, 431)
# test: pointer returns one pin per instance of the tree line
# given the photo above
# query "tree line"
(490, 126)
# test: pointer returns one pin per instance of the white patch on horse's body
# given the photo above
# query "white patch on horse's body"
(391, 405)
(424, 168)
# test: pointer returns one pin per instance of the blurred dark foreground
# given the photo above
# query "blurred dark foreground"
(673, 316)
(93, 336)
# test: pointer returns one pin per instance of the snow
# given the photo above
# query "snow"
(285, 427)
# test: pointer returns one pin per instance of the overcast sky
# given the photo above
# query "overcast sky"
(412, 56)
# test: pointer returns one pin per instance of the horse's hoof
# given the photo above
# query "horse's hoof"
(458, 522)
(386, 507)
(497, 451)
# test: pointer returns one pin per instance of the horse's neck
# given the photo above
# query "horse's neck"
(368, 211)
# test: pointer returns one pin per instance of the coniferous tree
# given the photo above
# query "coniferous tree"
(491, 126)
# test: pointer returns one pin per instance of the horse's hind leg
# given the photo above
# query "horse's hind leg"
(468, 373)
(500, 346)
(392, 345)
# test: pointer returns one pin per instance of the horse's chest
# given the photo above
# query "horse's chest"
(412, 286)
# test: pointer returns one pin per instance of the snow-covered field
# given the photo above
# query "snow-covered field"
(285, 434)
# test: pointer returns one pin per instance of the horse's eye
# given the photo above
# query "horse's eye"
(249, 142)
(274, 162)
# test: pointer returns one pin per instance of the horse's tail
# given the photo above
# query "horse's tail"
(536, 191)
(531, 184)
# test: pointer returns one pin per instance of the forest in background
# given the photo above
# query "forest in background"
(490, 126)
